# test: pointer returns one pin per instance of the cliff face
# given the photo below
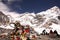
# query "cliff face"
(4, 20)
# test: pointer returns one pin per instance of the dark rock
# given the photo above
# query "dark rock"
(59, 17)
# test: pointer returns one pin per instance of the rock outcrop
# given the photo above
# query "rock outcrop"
(4, 20)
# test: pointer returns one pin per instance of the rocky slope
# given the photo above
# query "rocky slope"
(39, 21)
(4, 20)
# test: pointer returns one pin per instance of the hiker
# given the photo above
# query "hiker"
(52, 34)
(27, 30)
(18, 26)
(44, 32)
(12, 36)
(59, 17)
(56, 33)
(21, 29)
(23, 36)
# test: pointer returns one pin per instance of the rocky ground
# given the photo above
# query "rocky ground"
(40, 37)
(5, 31)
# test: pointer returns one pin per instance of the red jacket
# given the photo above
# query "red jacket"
(27, 30)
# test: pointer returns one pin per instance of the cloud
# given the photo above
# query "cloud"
(10, 0)
(14, 0)
(3, 7)
(10, 5)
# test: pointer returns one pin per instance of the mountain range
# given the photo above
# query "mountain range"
(48, 20)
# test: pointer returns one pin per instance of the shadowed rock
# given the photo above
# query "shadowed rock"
(4, 20)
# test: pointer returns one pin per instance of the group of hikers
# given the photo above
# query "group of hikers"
(21, 32)
(51, 34)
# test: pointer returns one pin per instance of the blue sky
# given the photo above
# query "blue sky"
(36, 6)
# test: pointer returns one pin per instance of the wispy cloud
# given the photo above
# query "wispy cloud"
(3, 7)
(14, 0)
(10, 5)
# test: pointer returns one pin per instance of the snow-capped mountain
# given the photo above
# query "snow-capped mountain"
(40, 21)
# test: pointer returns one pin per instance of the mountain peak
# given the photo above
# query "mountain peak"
(55, 7)
(53, 10)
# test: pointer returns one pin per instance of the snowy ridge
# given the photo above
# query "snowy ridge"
(37, 21)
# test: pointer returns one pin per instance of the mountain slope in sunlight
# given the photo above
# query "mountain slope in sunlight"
(43, 20)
